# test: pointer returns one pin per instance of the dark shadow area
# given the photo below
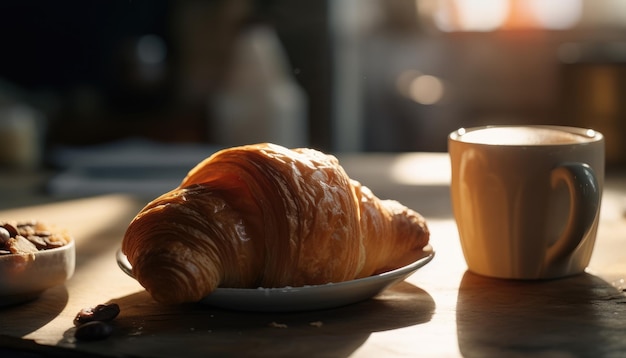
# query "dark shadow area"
(29, 349)
(145, 327)
(34, 314)
(578, 316)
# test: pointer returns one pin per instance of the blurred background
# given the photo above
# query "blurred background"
(89, 87)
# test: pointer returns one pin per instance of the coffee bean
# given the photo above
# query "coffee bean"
(106, 312)
(51, 243)
(11, 229)
(26, 229)
(103, 312)
(4, 235)
(43, 233)
(85, 315)
(92, 331)
(39, 242)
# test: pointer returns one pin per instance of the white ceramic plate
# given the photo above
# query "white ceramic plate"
(305, 298)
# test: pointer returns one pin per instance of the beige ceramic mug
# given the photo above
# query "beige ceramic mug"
(526, 199)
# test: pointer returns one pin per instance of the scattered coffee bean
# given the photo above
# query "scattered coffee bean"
(103, 313)
(94, 330)
(85, 315)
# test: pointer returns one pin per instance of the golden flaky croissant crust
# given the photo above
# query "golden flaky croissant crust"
(266, 216)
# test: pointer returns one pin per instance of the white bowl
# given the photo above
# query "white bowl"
(23, 279)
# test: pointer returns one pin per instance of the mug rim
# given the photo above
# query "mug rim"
(591, 135)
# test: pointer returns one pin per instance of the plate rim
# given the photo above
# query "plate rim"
(218, 298)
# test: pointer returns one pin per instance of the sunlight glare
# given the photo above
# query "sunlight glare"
(490, 15)
(421, 169)
(557, 14)
(472, 15)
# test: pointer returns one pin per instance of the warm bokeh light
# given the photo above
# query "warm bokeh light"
(471, 15)
(490, 15)
(426, 89)
(421, 88)
(557, 14)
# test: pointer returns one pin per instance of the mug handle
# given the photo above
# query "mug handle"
(584, 194)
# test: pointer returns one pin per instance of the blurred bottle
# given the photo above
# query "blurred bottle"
(21, 137)
(260, 100)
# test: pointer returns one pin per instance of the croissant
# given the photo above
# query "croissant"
(266, 216)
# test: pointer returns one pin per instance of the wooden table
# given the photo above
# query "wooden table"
(440, 311)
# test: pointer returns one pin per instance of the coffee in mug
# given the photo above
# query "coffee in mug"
(526, 199)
